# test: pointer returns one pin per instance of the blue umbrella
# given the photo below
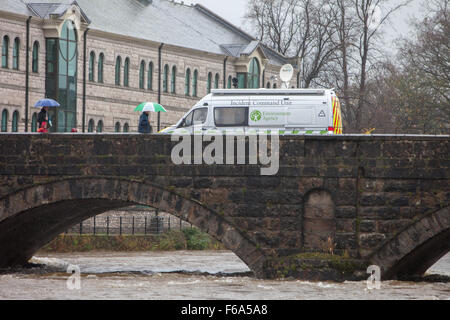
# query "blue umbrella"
(46, 103)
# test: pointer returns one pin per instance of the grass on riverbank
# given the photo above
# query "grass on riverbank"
(186, 239)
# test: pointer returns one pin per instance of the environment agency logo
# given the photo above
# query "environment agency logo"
(255, 116)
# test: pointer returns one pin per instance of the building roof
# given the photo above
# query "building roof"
(188, 26)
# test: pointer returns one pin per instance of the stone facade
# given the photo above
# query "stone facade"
(350, 198)
(106, 101)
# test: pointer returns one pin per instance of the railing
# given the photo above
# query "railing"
(128, 225)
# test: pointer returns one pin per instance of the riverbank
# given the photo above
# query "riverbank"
(186, 239)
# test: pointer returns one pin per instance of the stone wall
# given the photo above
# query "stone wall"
(344, 195)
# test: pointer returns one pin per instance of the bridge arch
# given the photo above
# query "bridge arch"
(34, 216)
(416, 248)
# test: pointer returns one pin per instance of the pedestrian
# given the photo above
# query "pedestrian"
(43, 120)
(144, 123)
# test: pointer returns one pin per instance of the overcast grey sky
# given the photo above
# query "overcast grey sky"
(234, 11)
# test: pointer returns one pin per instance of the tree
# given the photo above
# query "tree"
(301, 29)
(417, 89)
(358, 25)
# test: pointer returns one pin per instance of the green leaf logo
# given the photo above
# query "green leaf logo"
(255, 116)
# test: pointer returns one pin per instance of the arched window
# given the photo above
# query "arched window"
(91, 125)
(173, 83)
(5, 120)
(5, 49)
(117, 127)
(101, 59)
(166, 78)
(208, 84)
(126, 72)
(230, 79)
(268, 85)
(126, 127)
(187, 83)
(65, 80)
(274, 85)
(216, 81)
(15, 122)
(142, 75)
(91, 65)
(100, 126)
(194, 83)
(34, 122)
(253, 74)
(16, 52)
(35, 57)
(118, 67)
(150, 76)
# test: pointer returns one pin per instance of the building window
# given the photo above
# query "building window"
(101, 59)
(100, 126)
(174, 80)
(142, 75)
(91, 66)
(34, 122)
(230, 79)
(16, 52)
(150, 76)
(274, 85)
(15, 122)
(216, 81)
(194, 83)
(91, 125)
(254, 75)
(117, 127)
(187, 83)
(166, 78)
(208, 84)
(5, 49)
(242, 80)
(126, 128)
(61, 77)
(35, 57)
(118, 67)
(5, 120)
(126, 72)
(268, 85)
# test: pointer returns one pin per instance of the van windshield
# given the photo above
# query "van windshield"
(228, 116)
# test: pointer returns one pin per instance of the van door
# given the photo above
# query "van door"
(195, 117)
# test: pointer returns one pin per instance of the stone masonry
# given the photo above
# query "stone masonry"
(337, 203)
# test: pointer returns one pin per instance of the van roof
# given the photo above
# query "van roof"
(268, 92)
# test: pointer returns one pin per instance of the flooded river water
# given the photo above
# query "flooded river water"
(188, 275)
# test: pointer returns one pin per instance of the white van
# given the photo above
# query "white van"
(290, 111)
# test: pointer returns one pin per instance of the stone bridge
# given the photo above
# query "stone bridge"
(337, 204)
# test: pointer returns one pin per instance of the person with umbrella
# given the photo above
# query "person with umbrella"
(43, 118)
(144, 119)
(144, 123)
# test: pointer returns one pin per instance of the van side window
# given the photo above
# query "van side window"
(200, 115)
(224, 117)
(197, 116)
(188, 120)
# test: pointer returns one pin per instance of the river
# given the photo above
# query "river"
(187, 275)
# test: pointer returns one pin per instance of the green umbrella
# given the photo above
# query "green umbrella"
(150, 106)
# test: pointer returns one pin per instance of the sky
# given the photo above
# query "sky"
(234, 11)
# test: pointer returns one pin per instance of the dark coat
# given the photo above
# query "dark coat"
(42, 117)
(144, 125)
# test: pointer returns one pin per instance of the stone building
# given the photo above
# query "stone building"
(99, 59)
